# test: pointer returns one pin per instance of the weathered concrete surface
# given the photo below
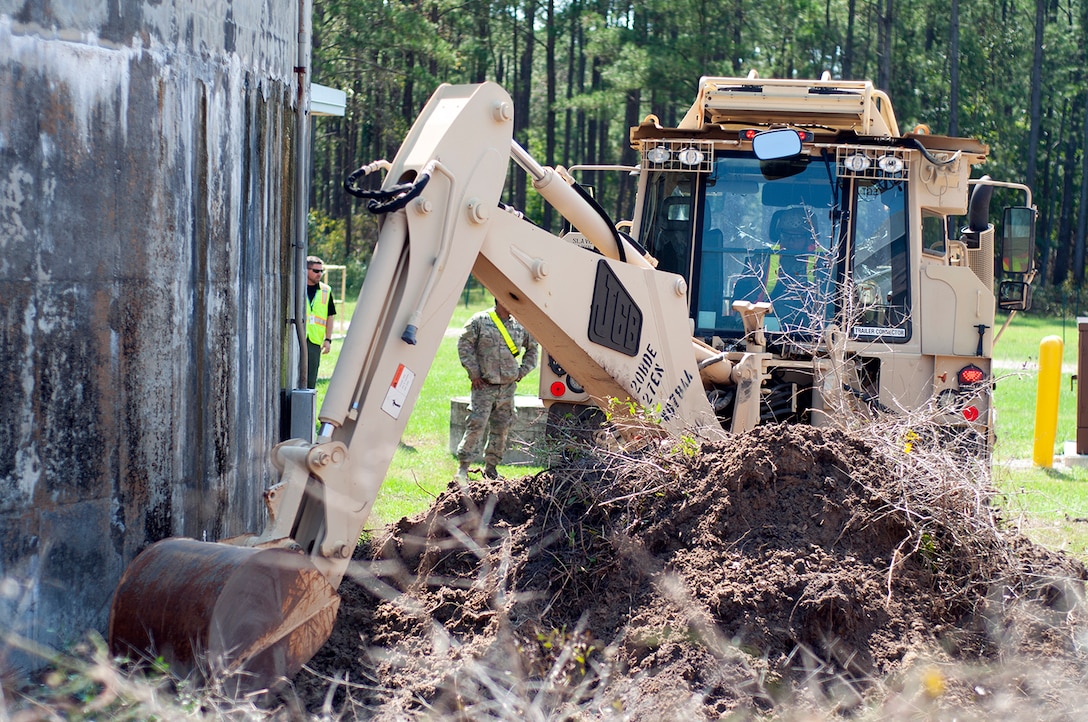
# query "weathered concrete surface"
(526, 442)
(146, 179)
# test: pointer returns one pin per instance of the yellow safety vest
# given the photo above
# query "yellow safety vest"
(318, 318)
(776, 262)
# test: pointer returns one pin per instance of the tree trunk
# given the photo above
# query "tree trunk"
(1082, 207)
(629, 156)
(580, 153)
(568, 114)
(1065, 220)
(954, 71)
(848, 51)
(1036, 93)
(434, 17)
(884, 46)
(593, 124)
(549, 117)
(1046, 200)
(523, 87)
(351, 146)
(407, 98)
(738, 24)
(483, 32)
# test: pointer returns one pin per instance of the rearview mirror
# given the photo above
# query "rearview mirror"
(1018, 240)
(775, 144)
(1014, 296)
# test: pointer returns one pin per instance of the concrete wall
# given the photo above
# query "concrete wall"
(526, 443)
(146, 185)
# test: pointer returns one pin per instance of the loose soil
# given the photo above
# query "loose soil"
(787, 569)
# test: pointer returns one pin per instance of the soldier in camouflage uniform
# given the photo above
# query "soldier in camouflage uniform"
(491, 359)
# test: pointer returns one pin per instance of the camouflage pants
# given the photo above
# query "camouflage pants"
(490, 411)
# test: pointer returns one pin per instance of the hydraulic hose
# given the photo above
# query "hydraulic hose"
(386, 200)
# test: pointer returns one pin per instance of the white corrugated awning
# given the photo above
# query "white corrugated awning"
(327, 101)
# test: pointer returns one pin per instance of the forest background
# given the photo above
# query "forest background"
(581, 72)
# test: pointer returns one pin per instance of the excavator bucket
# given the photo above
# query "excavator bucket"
(250, 616)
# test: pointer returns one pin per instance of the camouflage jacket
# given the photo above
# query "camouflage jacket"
(484, 353)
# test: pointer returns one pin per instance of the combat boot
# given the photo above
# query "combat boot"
(491, 472)
(462, 471)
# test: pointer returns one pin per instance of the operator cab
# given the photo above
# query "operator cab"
(770, 224)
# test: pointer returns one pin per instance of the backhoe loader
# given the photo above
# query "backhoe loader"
(790, 252)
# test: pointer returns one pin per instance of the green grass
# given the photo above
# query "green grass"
(1049, 504)
(1016, 357)
(1021, 339)
(423, 464)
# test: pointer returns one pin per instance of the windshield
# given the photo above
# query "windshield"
(770, 231)
(768, 234)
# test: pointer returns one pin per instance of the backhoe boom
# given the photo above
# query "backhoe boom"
(620, 325)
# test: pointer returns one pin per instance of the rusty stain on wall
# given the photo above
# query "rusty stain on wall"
(145, 214)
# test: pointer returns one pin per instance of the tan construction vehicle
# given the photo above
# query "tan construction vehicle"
(789, 253)
(806, 195)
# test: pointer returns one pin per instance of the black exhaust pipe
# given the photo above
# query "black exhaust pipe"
(978, 210)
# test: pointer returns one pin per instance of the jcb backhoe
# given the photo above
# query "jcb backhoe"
(790, 249)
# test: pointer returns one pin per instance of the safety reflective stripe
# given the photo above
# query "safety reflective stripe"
(505, 334)
(772, 272)
(318, 317)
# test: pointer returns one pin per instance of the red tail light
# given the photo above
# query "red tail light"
(970, 375)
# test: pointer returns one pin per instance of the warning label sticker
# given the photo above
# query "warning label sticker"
(398, 391)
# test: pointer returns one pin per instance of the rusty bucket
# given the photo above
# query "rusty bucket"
(254, 616)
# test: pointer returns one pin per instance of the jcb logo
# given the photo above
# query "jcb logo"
(615, 321)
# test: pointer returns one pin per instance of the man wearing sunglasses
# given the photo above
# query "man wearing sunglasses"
(321, 309)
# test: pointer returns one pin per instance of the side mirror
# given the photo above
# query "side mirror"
(1018, 240)
(776, 144)
(1014, 296)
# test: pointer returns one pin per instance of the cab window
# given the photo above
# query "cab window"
(934, 238)
(880, 262)
(667, 222)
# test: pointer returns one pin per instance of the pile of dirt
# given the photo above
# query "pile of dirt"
(787, 563)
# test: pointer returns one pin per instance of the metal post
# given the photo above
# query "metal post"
(1046, 400)
(1082, 395)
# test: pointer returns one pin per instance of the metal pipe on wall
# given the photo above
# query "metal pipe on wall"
(302, 177)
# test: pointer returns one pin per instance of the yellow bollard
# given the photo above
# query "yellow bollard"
(1046, 400)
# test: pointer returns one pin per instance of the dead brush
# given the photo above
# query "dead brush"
(942, 484)
(940, 479)
(84, 683)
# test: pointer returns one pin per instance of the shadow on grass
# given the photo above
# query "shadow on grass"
(1057, 474)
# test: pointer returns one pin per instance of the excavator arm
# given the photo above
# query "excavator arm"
(264, 604)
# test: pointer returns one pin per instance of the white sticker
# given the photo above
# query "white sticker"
(398, 391)
(880, 331)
